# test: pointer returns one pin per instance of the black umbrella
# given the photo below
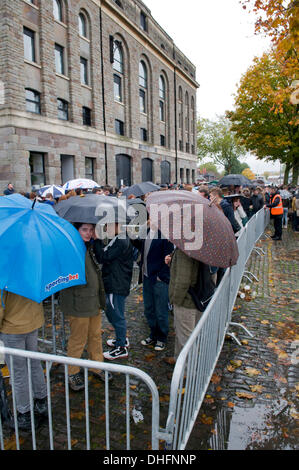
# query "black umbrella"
(234, 180)
(91, 208)
(141, 189)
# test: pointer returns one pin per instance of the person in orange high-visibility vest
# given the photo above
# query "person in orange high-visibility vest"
(276, 208)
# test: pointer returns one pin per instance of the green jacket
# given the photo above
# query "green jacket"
(183, 274)
(86, 300)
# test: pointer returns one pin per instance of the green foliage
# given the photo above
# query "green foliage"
(217, 141)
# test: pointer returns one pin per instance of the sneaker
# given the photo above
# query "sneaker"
(41, 406)
(148, 342)
(76, 382)
(116, 353)
(23, 420)
(101, 375)
(111, 343)
(160, 346)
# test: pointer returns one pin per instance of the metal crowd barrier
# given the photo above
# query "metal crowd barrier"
(196, 362)
(191, 377)
(65, 427)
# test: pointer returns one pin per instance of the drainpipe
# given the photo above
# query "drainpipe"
(103, 97)
(176, 127)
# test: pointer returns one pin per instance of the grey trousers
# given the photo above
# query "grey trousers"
(27, 342)
(185, 320)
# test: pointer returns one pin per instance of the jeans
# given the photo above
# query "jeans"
(285, 217)
(155, 298)
(26, 342)
(115, 312)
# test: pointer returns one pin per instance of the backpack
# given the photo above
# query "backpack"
(204, 288)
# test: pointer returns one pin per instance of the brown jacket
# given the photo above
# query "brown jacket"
(183, 274)
(19, 315)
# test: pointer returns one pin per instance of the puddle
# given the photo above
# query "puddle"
(268, 427)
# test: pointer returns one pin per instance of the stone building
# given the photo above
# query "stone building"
(96, 89)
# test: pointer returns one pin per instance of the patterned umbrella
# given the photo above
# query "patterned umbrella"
(195, 226)
(80, 183)
(56, 191)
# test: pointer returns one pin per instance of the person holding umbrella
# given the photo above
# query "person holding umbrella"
(20, 320)
(83, 304)
(48, 257)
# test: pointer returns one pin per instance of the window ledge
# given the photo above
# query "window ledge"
(60, 23)
(31, 4)
(62, 76)
(34, 64)
(83, 37)
(119, 102)
(86, 86)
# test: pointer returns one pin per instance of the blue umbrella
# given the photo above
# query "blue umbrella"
(41, 253)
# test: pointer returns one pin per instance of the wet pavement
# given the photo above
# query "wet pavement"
(252, 400)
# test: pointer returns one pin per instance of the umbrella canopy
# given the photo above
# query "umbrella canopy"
(56, 191)
(141, 189)
(80, 183)
(234, 180)
(40, 253)
(91, 208)
(192, 217)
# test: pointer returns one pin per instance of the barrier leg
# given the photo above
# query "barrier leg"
(247, 273)
(243, 327)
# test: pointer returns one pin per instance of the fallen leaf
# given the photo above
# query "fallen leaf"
(256, 388)
(230, 404)
(215, 379)
(252, 372)
(265, 322)
(206, 419)
(249, 396)
(236, 363)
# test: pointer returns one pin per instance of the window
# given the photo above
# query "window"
(63, 109)
(118, 59)
(143, 85)
(182, 175)
(162, 140)
(161, 111)
(59, 59)
(57, 10)
(187, 147)
(29, 44)
(143, 21)
(142, 74)
(118, 3)
(181, 145)
(119, 127)
(86, 116)
(37, 169)
(89, 168)
(82, 25)
(188, 176)
(117, 88)
(32, 101)
(84, 71)
(162, 88)
(142, 101)
(143, 134)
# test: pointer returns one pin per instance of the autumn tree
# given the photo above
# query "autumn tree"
(261, 127)
(216, 141)
(279, 19)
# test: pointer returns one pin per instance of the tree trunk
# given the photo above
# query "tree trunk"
(295, 173)
(286, 174)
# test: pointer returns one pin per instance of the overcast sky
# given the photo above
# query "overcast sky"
(218, 37)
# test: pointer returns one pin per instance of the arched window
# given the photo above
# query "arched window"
(142, 87)
(142, 74)
(57, 10)
(162, 96)
(187, 113)
(118, 58)
(162, 88)
(83, 26)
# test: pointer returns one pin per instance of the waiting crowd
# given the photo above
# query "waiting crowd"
(166, 274)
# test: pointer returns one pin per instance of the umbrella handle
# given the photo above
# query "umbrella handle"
(34, 202)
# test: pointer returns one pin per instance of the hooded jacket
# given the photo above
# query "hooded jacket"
(117, 261)
(229, 213)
